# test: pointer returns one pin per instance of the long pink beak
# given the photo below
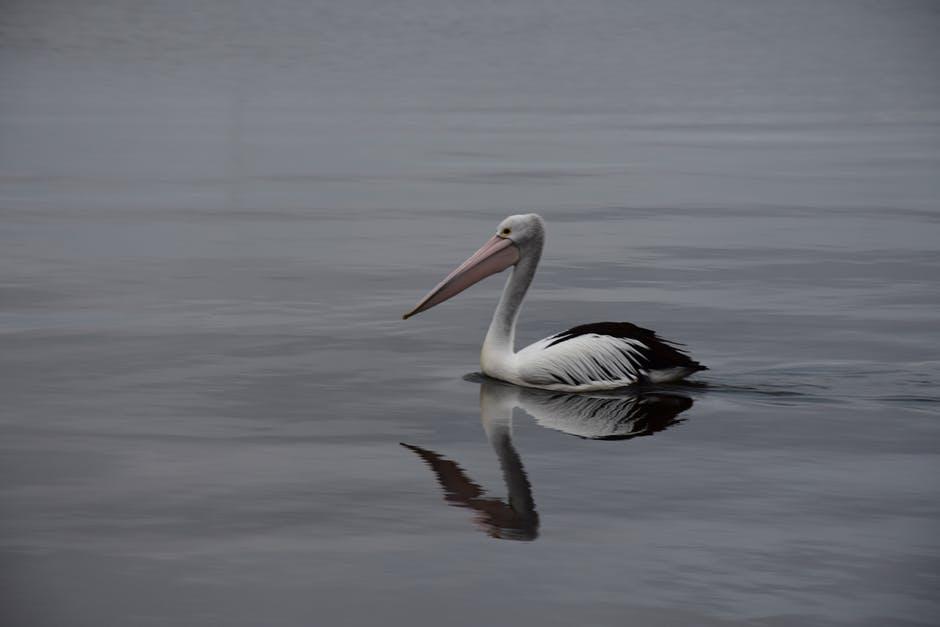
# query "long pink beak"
(494, 256)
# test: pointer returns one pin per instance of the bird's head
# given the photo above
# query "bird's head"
(522, 230)
(516, 237)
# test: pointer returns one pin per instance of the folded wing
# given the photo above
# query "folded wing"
(608, 353)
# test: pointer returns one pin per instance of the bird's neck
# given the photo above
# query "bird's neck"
(501, 337)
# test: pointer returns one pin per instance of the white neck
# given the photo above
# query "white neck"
(497, 357)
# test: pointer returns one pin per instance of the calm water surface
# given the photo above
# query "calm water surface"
(212, 217)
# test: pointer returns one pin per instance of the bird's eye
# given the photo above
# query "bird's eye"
(506, 231)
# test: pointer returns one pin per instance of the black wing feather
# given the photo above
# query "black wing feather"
(660, 354)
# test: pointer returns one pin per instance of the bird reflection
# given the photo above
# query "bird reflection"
(592, 416)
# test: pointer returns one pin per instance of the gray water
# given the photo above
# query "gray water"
(212, 216)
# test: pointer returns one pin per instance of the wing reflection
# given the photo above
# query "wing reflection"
(604, 417)
(597, 417)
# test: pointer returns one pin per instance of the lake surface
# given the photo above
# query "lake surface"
(213, 215)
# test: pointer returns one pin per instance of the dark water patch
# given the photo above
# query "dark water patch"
(909, 400)
(21, 297)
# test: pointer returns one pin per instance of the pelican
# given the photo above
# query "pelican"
(598, 356)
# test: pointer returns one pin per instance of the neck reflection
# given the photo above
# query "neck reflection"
(597, 417)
